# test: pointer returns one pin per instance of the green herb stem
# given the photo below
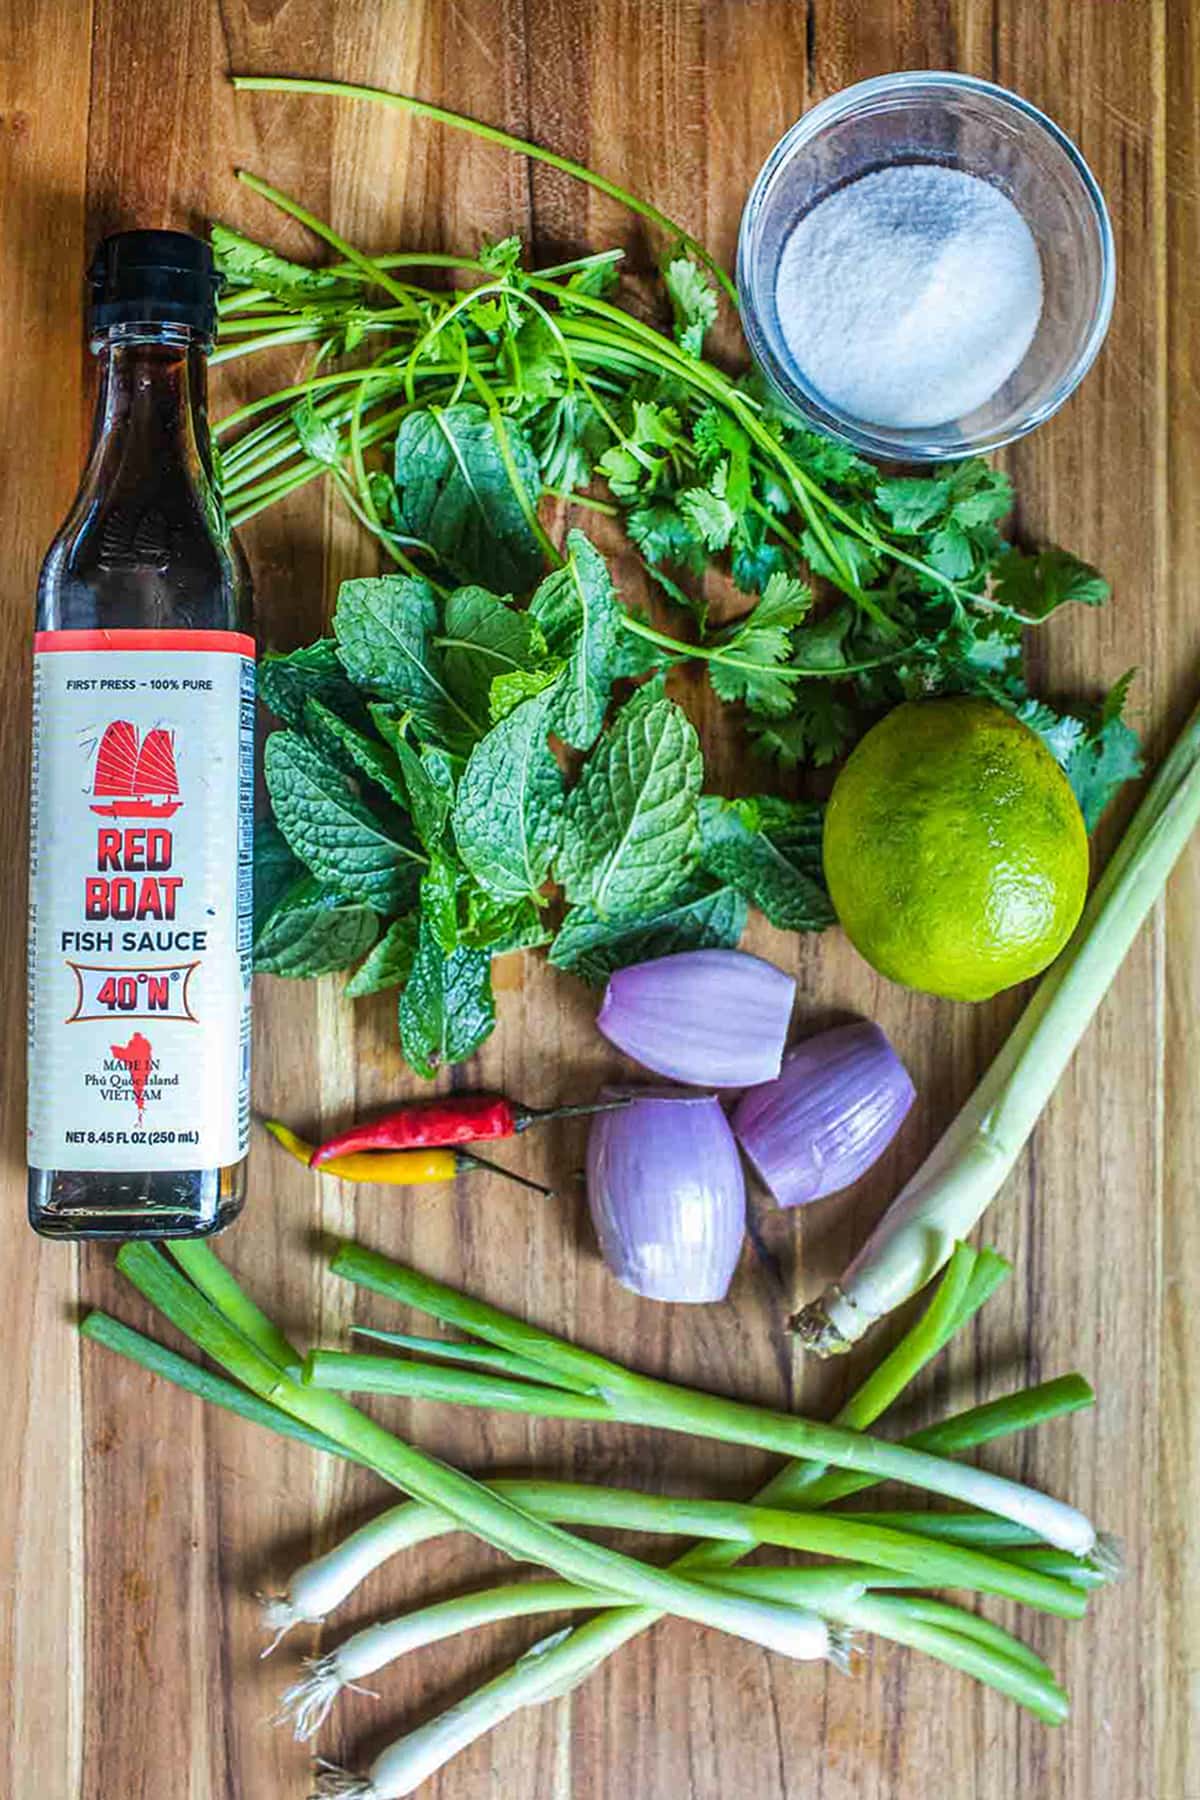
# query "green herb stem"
(476, 1507)
(407, 103)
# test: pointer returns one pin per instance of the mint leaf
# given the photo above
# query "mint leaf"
(509, 806)
(275, 869)
(311, 931)
(288, 680)
(389, 963)
(364, 754)
(439, 900)
(693, 300)
(447, 1008)
(699, 916)
(508, 691)
(580, 619)
(770, 851)
(630, 833)
(482, 638)
(428, 777)
(1036, 586)
(332, 831)
(386, 626)
(456, 493)
(498, 928)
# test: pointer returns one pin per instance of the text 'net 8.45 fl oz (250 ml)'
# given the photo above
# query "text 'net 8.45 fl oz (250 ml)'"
(142, 792)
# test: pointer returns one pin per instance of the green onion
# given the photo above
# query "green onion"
(639, 1400)
(480, 1510)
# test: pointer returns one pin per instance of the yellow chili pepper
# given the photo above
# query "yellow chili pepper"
(394, 1168)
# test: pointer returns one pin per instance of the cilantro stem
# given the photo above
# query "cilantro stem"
(491, 134)
(785, 671)
(359, 258)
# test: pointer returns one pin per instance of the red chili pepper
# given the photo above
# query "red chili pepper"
(454, 1119)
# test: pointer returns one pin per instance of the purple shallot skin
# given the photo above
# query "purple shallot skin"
(717, 1018)
(667, 1195)
(828, 1117)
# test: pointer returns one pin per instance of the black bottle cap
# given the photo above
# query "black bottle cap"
(145, 277)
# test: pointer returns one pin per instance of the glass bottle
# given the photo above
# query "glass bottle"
(142, 792)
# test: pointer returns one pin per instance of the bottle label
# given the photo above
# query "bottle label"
(140, 899)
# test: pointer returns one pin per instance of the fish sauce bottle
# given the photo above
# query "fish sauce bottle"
(142, 789)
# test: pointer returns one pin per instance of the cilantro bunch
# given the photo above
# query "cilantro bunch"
(421, 820)
(864, 587)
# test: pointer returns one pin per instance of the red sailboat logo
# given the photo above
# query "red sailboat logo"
(135, 778)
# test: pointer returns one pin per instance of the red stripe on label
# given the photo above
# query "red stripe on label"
(233, 643)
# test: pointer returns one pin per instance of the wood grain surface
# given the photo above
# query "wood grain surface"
(135, 1527)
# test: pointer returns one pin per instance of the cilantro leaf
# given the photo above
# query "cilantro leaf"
(664, 535)
(910, 502)
(950, 551)
(568, 437)
(245, 264)
(770, 851)
(311, 931)
(700, 915)
(693, 300)
(456, 492)
(390, 962)
(386, 628)
(708, 512)
(334, 833)
(447, 1008)
(981, 495)
(1108, 757)
(653, 436)
(818, 729)
(1036, 586)
(318, 435)
(509, 806)
(631, 833)
(580, 620)
(759, 645)
(1062, 733)
(754, 559)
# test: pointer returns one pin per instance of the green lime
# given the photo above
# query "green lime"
(955, 851)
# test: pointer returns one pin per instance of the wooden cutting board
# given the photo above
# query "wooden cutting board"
(135, 1527)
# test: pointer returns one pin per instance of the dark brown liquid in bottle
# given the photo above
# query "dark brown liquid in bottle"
(145, 547)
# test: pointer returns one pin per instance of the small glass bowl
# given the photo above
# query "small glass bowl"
(934, 116)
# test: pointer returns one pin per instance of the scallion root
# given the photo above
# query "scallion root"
(339, 1784)
(1108, 1557)
(306, 1704)
(843, 1644)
